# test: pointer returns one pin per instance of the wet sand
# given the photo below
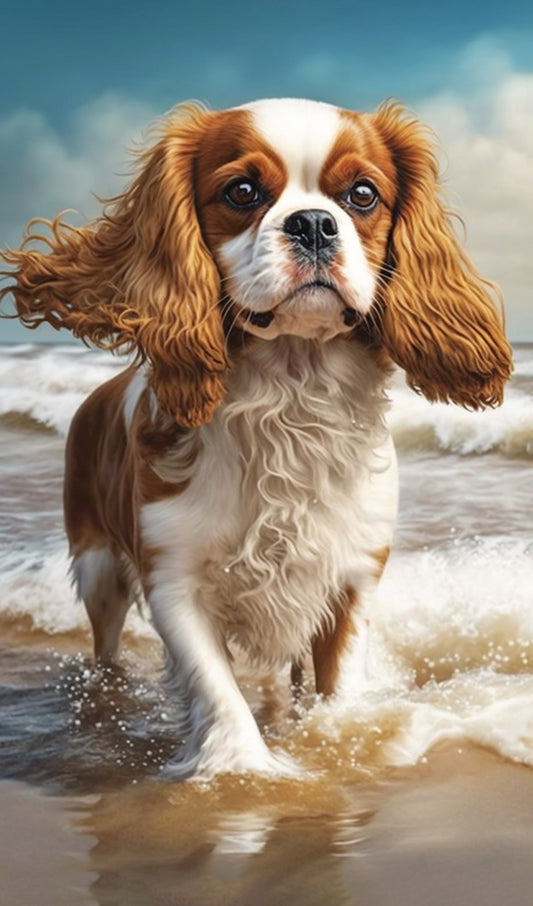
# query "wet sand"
(43, 858)
(455, 830)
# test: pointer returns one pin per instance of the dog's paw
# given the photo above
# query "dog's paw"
(220, 753)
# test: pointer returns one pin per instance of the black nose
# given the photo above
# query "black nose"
(312, 230)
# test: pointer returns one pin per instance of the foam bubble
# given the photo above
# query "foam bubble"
(449, 657)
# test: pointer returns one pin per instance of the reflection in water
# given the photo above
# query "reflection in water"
(413, 841)
(228, 843)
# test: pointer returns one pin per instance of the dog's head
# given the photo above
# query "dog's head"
(279, 217)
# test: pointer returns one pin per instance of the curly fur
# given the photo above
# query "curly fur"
(438, 321)
(307, 422)
(139, 278)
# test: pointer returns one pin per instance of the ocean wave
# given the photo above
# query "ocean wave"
(439, 610)
(419, 425)
(24, 421)
(37, 588)
(47, 388)
(523, 365)
(449, 658)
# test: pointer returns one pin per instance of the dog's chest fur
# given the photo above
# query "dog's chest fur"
(290, 494)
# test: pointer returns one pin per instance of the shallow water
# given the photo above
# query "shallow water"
(417, 789)
(456, 829)
(88, 820)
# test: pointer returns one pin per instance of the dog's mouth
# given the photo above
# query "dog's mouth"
(264, 319)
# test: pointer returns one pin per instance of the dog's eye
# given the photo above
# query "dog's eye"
(242, 193)
(363, 195)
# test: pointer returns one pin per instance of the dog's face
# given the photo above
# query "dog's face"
(295, 200)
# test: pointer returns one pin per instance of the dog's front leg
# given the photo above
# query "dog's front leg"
(220, 731)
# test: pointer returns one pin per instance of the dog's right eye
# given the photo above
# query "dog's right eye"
(363, 196)
(243, 193)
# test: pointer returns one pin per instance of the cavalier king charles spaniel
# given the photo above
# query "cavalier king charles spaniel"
(268, 266)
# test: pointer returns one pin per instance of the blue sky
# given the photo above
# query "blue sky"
(84, 80)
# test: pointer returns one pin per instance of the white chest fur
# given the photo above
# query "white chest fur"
(293, 490)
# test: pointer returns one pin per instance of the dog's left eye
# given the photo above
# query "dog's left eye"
(363, 195)
(242, 193)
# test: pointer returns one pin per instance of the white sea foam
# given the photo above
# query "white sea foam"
(417, 424)
(449, 657)
(49, 385)
(524, 363)
(449, 653)
(39, 588)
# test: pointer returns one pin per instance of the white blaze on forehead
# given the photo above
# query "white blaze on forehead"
(301, 132)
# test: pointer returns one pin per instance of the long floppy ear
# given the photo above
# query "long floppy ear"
(138, 278)
(438, 320)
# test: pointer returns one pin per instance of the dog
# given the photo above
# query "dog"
(268, 265)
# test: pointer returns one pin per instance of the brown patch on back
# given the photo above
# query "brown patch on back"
(108, 473)
(329, 644)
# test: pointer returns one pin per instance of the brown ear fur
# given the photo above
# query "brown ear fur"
(438, 321)
(139, 278)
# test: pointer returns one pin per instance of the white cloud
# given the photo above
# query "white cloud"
(47, 172)
(487, 136)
